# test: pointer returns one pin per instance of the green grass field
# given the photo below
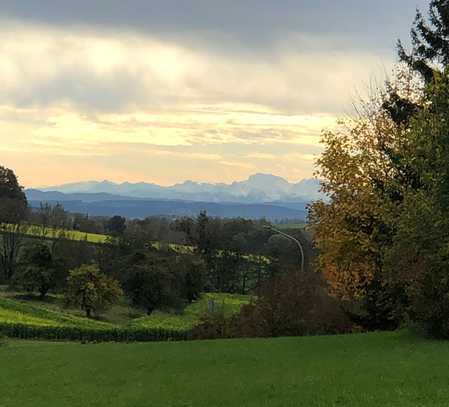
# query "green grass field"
(15, 309)
(379, 369)
(186, 320)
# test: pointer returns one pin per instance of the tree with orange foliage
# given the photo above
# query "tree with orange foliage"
(364, 176)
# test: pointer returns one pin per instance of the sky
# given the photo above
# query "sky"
(166, 91)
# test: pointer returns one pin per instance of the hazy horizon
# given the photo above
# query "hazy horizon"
(165, 92)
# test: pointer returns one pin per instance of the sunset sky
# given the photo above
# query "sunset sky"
(165, 91)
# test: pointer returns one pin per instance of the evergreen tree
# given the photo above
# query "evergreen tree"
(430, 41)
(13, 202)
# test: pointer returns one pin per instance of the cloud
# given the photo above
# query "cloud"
(252, 24)
(97, 73)
(166, 90)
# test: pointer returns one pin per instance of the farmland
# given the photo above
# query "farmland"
(53, 313)
(390, 369)
(52, 233)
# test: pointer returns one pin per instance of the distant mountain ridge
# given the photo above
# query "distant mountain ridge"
(258, 188)
(141, 208)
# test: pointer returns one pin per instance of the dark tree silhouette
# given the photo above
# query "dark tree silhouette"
(430, 41)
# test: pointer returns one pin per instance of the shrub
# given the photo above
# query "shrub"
(383, 307)
(430, 302)
(216, 324)
(70, 333)
(291, 305)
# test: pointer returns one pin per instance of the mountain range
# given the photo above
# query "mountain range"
(257, 188)
(260, 196)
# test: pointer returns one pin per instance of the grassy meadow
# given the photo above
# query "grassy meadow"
(378, 369)
(16, 308)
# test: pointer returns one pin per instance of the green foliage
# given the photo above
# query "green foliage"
(40, 270)
(152, 285)
(419, 255)
(116, 225)
(192, 273)
(91, 290)
(13, 202)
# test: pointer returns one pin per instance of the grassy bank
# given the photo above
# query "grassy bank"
(34, 318)
(388, 369)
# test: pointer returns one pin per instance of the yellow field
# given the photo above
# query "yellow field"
(51, 233)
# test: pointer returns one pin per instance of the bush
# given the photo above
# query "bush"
(383, 307)
(292, 305)
(430, 303)
(214, 325)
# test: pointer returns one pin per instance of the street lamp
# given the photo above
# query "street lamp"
(298, 243)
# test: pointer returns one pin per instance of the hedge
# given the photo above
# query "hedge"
(68, 333)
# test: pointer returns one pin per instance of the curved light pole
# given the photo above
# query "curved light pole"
(292, 238)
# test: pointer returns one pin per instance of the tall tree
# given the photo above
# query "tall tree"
(13, 210)
(419, 254)
(430, 41)
(365, 176)
(13, 202)
(116, 225)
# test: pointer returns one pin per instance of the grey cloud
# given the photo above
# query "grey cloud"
(233, 23)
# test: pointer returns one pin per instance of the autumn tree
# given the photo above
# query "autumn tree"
(364, 175)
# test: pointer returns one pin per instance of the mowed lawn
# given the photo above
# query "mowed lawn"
(378, 369)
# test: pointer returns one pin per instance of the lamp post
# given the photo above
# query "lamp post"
(292, 238)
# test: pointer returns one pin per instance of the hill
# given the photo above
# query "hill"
(141, 208)
(370, 370)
